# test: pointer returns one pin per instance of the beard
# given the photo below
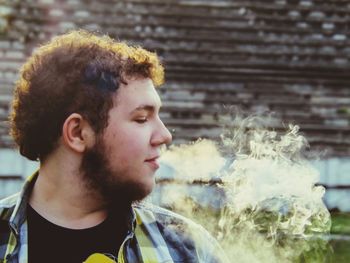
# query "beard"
(111, 185)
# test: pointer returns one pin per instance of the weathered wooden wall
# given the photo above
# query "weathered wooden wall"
(287, 56)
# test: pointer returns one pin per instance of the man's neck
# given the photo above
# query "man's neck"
(60, 196)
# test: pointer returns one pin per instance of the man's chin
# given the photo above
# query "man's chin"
(129, 193)
(143, 190)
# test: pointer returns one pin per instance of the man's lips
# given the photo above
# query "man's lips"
(153, 162)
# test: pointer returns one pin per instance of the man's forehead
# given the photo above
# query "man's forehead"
(138, 96)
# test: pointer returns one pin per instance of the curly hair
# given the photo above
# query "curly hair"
(75, 72)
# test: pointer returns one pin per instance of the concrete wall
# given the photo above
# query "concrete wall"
(13, 170)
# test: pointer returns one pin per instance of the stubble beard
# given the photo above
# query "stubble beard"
(101, 179)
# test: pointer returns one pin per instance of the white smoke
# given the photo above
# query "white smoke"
(271, 209)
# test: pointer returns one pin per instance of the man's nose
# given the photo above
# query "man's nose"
(162, 135)
(167, 136)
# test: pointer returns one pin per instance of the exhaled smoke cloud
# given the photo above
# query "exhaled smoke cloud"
(265, 206)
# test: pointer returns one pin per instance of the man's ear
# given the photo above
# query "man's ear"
(77, 133)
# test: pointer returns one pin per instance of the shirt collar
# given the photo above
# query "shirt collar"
(18, 216)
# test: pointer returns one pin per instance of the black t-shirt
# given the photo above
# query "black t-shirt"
(48, 242)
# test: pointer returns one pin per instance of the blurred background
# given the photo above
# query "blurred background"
(289, 57)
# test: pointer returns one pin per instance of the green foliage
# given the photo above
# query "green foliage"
(341, 251)
(311, 248)
(340, 223)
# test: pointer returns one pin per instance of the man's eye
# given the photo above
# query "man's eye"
(141, 120)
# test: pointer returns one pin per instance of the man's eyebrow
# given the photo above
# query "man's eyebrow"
(149, 108)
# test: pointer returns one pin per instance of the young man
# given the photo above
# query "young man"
(86, 107)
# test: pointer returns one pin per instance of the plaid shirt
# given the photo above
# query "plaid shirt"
(156, 235)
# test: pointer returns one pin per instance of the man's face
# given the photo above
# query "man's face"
(123, 161)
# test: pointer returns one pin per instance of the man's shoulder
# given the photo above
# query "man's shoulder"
(9, 200)
(7, 206)
(169, 223)
(163, 215)
(181, 234)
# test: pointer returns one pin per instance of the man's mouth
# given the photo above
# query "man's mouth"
(153, 162)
